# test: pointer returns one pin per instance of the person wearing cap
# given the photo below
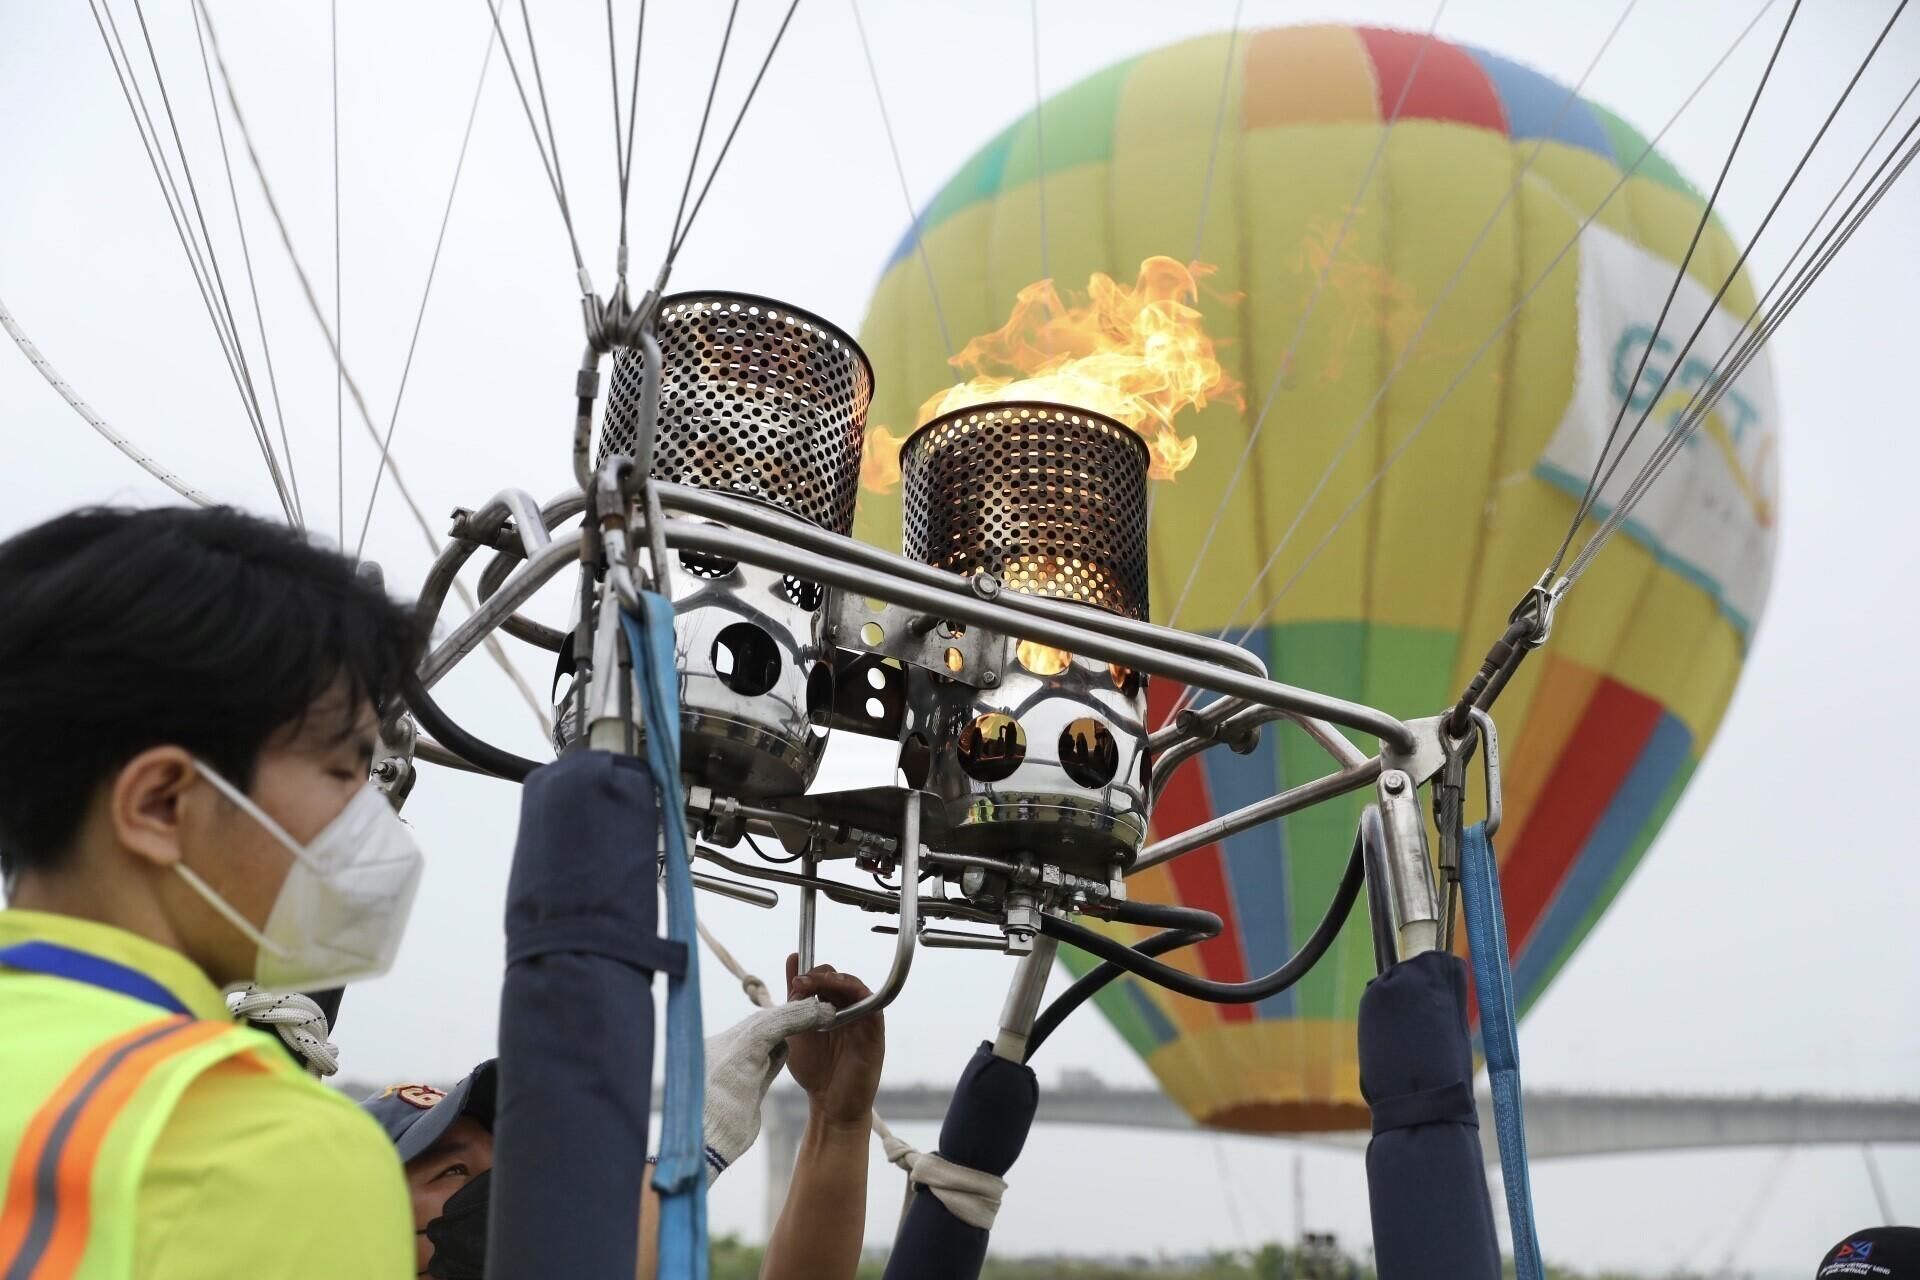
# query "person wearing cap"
(187, 718)
(445, 1137)
(1880, 1253)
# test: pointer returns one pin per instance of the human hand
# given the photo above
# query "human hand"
(840, 1070)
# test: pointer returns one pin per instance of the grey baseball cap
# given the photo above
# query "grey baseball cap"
(415, 1115)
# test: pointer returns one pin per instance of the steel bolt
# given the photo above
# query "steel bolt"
(1394, 782)
(990, 678)
(986, 586)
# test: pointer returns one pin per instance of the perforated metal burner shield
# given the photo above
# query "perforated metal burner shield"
(756, 398)
(1051, 500)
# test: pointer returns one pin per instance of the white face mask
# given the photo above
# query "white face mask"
(345, 901)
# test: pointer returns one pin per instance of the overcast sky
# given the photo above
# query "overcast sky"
(1766, 945)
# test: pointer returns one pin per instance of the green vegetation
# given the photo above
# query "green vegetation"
(733, 1260)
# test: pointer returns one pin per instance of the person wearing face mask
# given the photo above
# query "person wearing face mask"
(187, 719)
(445, 1137)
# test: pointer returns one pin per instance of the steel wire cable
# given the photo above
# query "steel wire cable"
(1673, 290)
(1472, 361)
(426, 292)
(1603, 472)
(1219, 125)
(900, 171)
(197, 263)
(727, 143)
(246, 255)
(700, 135)
(533, 126)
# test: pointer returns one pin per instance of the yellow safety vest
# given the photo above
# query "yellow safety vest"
(80, 1116)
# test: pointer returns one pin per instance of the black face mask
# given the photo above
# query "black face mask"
(459, 1234)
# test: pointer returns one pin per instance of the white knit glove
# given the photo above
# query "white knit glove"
(295, 1019)
(742, 1063)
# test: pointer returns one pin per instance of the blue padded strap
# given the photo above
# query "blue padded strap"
(680, 1176)
(1499, 1036)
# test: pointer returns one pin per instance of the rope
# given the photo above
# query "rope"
(973, 1196)
(141, 457)
(296, 1019)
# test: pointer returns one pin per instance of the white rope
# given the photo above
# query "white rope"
(971, 1196)
(140, 456)
(295, 1018)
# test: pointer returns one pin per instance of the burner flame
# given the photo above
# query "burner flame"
(1135, 353)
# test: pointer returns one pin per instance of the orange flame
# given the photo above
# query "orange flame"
(1136, 354)
(880, 460)
(1042, 659)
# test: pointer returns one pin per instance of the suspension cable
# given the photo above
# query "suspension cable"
(1285, 368)
(314, 308)
(1472, 361)
(700, 137)
(1702, 404)
(246, 254)
(623, 151)
(141, 458)
(439, 242)
(900, 171)
(1603, 472)
(1219, 125)
(553, 139)
(727, 143)
(539, 143)
(197, 260)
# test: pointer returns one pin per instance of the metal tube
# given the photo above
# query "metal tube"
(527, 522)
(1243, 819)
(900, 589)
(748, 893)
(909, 936)
(960, 940)
(809, 910)
(773, 523)
(1410, 891)
(611, 507)
(1023, 1000)
(554, 513)
(1222, 716)
(466, 637)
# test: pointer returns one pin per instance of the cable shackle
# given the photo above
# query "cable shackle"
(1528, 627)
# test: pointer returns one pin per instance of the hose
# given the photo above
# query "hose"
(1143, 966)
(1099, 976)
(481, 755)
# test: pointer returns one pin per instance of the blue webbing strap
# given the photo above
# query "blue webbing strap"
(83, 966)
(1499, 1037)
(680, 1176)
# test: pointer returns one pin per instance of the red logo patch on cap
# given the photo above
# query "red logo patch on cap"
(423, 1096)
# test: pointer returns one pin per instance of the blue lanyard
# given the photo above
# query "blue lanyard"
(96, 971)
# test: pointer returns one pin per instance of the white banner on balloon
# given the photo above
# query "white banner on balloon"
(1711, 516)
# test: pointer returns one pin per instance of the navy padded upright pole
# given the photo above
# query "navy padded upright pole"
(1426, 1177)
(985, 1127)
(576, 1022)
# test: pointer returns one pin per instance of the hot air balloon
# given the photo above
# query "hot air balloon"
(1402, 561)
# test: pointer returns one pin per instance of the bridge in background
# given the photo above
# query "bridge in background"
(1560, 1123)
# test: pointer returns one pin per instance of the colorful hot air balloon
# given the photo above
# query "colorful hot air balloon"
(1604, 727)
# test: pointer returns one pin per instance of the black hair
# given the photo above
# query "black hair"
(209, 629)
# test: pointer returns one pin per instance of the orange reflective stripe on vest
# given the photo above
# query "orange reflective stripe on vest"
(49, 1192)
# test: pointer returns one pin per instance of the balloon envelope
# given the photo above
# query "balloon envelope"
(1451, 488)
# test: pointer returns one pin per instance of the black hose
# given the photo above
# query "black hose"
(1145, 967)
(1091, 982)
(481, 755)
